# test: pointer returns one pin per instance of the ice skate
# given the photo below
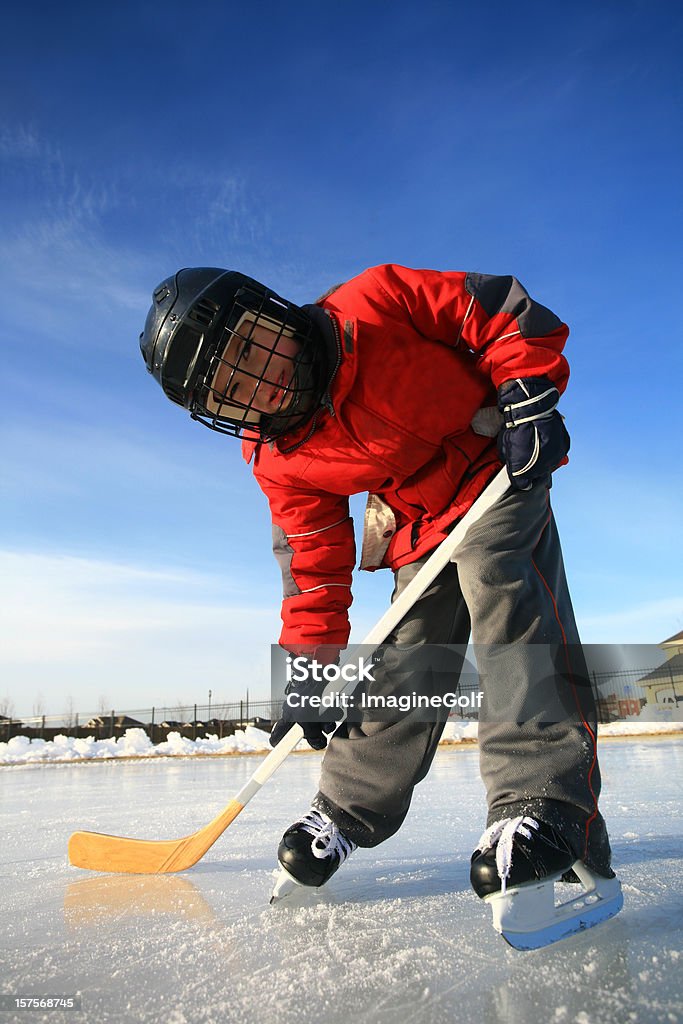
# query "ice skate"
(514, 869)
(310, 852)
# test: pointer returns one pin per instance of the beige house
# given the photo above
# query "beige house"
(674, 645)
(663, 688)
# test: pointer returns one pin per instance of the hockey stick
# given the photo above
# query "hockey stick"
(99, 852)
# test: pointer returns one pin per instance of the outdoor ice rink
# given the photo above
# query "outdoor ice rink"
(397, 936)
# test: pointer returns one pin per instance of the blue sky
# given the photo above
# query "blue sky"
(301, 144)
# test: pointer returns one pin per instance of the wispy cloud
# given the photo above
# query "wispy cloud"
(75, 627)
(58, 261)
(36, 156)
(60, 193)
(62, 260)
(91, 465)
(59, 267)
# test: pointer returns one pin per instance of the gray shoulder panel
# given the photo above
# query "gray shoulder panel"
(506, 295)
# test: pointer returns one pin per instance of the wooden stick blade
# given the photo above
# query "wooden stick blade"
(96, 851)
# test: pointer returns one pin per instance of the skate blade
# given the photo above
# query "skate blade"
(527, 918)
(287, 889)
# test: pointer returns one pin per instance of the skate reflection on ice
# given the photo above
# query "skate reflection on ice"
(92, 901)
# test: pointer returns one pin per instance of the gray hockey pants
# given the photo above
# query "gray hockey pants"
(508, 587)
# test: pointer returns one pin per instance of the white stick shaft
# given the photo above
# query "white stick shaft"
(391, 618)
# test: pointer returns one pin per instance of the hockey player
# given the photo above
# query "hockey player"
(414, 386)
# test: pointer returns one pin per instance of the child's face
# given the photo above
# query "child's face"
(253, 375)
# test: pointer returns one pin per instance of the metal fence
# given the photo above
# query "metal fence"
(193, 721)
(619, 695)
(623, 694)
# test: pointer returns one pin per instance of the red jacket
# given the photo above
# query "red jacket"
(422, 353)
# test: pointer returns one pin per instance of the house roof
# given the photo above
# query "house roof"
(669, 669)
(119, 720)
(676, 638)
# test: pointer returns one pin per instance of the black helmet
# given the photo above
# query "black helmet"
(236, 355)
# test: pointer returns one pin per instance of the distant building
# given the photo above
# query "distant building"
(615, 708)
(120, 722)
(664, 686)
(673, 646)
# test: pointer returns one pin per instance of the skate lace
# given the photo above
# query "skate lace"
(503, 833)
(328, 839)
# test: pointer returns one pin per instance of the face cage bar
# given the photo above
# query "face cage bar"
(301, 385)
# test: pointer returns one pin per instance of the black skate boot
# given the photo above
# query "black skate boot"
(516, 851)
(310, 852)
(514, 868)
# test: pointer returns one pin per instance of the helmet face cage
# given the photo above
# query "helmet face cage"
(259, 377)
(241, 359)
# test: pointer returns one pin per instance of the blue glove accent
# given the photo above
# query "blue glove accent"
(534, 440)
(315, 721)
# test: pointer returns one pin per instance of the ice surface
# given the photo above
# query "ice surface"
(397, 935)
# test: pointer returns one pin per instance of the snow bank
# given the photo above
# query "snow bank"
(136, 743)
(639, 728)
(456, 732)
(459, 731)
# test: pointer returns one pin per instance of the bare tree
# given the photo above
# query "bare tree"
(6, 707)
(39, 706)
(180, 709)
(70, 713)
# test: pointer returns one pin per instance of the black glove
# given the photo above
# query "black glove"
(316, 721)
(534, 440)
